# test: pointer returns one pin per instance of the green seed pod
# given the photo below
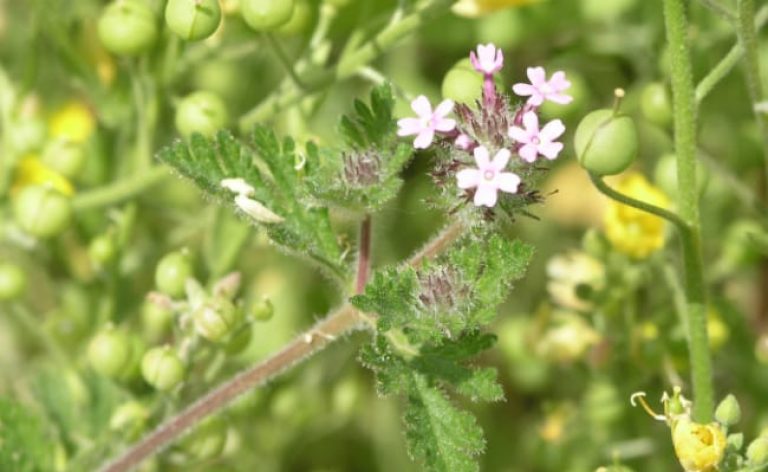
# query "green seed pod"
(266, 14)
(239, 340)
(102, 250)
(156, 321)
(665, 175)
(162, 368)
(27, 136)
(300, 21)
(262, 310)
(462, 83)
(65, 157)
(129, 419)
(127, 27)
(757, 451)
(193, 20)
(728, 412)
(172, 273)
(216, 318)
(41, 211)
(206, 441)
(606, 143)
(13, 282)
(655, 104)
(109, 352)
(201, 112)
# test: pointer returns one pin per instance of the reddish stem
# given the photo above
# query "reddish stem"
(364, 258)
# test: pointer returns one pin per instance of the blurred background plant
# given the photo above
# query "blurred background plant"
(124, 295)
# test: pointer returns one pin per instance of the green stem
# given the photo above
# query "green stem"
(283, 58)
(719, 9)
(120, 190)
(685, 149)
(724, 67)
(347, 66)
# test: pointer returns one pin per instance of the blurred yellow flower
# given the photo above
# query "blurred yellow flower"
(573, 278)
(568, 338)
(31, 171)
(717, 331)
(632, 231)
(475, 8)
(74, 122)
(699, 447)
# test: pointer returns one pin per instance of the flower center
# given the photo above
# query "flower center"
(489, 175)
(535, 140)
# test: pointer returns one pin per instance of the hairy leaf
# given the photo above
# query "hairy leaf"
(23, 445)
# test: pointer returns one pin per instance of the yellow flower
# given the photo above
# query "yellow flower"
(699, 447)
(31, 171)
(475, 8)
(631, 231)
(74, 122)
(568, 338)
(573, 271)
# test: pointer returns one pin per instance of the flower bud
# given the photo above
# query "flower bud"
(216, 318)
(665, 175)
(201, 112)
(13, 282)
(102, 250)
(606, 142)
(109, 352)
(129, 419)
(728, 412)
(655, 104)
(162, 368)
(698, 447)
(64, 156)
(262, 310)
(41, 211)
(757, 451)
(172, 273)
(207, 440)
(193, 20)
(239, 340)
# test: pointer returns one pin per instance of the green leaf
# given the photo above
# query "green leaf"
(441, 437)
(23, 445)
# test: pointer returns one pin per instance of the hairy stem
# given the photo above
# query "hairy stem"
(328, 330)
(684, 103)
(120, 190)
(364, 257)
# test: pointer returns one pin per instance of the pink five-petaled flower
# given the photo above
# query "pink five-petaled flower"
(535, 141)
(541, 89)
(488, 60)
(427, 122)
(489, 177)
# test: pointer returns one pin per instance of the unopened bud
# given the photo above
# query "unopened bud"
(728, 412)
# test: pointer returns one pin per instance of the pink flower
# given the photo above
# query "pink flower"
(535, 141)
(541, 89)
(488, 177)
(463, 141)
(427, 123)
(488, 60)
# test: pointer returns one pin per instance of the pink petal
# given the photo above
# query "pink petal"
(531, 123)
(528, 152)
(536, 99)
(486, 53)
(524, 90)
(537, 76)
(443, 108)
(424, 139)
(475, 61)
(550, 150)
(501, 159)
(422, 107)
(468, 178)
(508, 182)
(485, 195)
(559, 82)
(560, 98)
(409, 126)
(481, 157)
(463, 141)
(444, 125)
(552, 130)
(518, 134)
(499, 63)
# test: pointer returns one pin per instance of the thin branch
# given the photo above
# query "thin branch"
(120, 190)
(719, 9)
(326, 331)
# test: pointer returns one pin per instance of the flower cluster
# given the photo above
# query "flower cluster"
(512, 135)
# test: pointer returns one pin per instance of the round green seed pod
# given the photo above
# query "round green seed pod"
(109, 352)
(130, 419)
(102, 250)
(193, 20)
(239, 340)
(162, 368)
(655, 104)
(13, 282)
(264, 15)
(172, 273)
(127, 27)
(216, 319)
(65, 157)
(462, 83)
(156, 321)
(206, 441)
(201, 112)
(262, 310)
(665, 175)
(606, 144)
(300, 21)
(41, 211)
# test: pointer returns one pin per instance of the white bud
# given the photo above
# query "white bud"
(257, 211)
(238, 186)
